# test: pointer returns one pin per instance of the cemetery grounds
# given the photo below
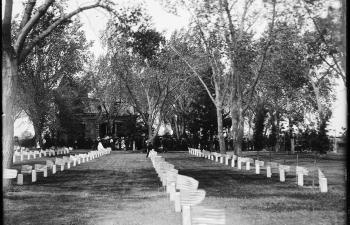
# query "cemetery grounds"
(123, 189)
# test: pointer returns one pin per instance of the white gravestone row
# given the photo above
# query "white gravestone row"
(282, 170)
(24, 153)
(184, 192)
(52, 165)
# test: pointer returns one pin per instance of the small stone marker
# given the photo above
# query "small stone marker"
(221, 158)
(268, 171)
(247, 163)
(322, 181)
(234, 157)
(41, 168)
(20, 179)
(257, 166)
(33, 175)
(282, 170)
(26, 169)
(239, 163)
(227, 157)
(10, 174)
(301, 171)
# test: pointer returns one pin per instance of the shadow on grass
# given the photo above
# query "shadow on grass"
(97, 181)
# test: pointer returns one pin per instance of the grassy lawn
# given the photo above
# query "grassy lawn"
(118, 189)
(123, 189)
(255, 199)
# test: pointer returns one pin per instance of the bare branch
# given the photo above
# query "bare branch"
(258, 73)
(27, 13)
(30, 24)
(340, 72)
(195, 72)
(42, 9)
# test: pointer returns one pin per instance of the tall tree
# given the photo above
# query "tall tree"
(14, 53)
(59, 55)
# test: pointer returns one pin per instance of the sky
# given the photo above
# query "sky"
(94, 21)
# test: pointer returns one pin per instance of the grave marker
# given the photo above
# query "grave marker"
(301, 171)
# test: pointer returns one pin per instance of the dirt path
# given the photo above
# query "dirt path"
(118, 189)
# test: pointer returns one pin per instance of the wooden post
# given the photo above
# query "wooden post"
(74, 162)
(68, 165)
(54, 169)
(62, 167)
(22, 156)
(239, 163)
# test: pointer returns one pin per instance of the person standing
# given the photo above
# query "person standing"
(148, 147)
(122, 144)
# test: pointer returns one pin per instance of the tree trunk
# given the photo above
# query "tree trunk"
(176, 128)
(277, 133)
(240, 134)
(149, 125)
(220, 127)
(9, 73)
(38, 129)
(237, 125)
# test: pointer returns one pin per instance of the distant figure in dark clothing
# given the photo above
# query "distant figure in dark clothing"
(149, 147)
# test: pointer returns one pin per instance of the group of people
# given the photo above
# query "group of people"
(114, 144)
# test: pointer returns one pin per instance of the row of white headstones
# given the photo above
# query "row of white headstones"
(52, 165)
(22, 152)
(300, 171)
(183, 191)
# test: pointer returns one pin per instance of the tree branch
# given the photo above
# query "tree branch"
(23, 33)
(6, 27)
(258, 74)
(195, 72)
(27, 13)
(26, 29)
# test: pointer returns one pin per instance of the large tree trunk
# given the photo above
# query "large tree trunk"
(240, 133)
(9, 73)
(277, 133)
(237, 125)
(176, 128)
(38, 129)
(220, 127)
